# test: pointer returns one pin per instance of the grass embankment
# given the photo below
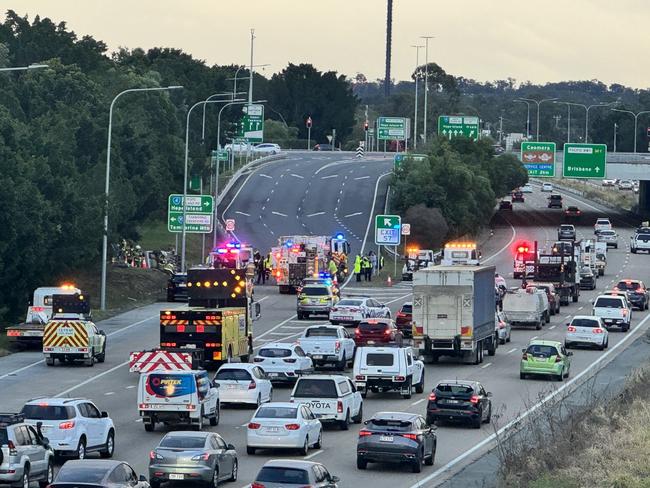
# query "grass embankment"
(611, 196)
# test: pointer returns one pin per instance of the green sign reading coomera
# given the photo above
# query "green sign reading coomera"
(539, 158)
(585, 161)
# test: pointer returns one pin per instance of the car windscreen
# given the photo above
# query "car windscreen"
(72, 474)
(602, 222)
(349, 303)
(542, 350)
(308, 388)
(277, 413)
(585, 323)
(372, 327)
(627, 285)
(321, 332)
(47, 412)
(609, 303)
(290, 476)
(275, 353)
(182, 442)
(454, 389)
(315, 291)
(233, 375)
(556, 197)
(407, 309)
(391, 424)
(379, 359)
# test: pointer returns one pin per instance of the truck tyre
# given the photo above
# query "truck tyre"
(150, 425)
(539, 325)
(547, 317)
(409, 388)
(49, 361)
(575, 297)
(300, 315)
(419, 388)
(90, 362)
(492, 347)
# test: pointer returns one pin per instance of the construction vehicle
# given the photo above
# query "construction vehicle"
(560, 267)
(39, 312)
(465, 253)
(299, 257)
(417, 259)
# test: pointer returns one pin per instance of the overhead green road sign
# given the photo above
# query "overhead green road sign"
(539, 158)
(399, 158)
(388, 230)
(198, 213)
(458, 125)
(585, 161)
(392, 129)
(252, 123)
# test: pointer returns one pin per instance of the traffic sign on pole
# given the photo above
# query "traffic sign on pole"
(585, 161)
(406, 229)
(456, 126)
(199, 214)
(230, 225)
(392, 129)
(388, 230)
(539, 158)
(252, 123)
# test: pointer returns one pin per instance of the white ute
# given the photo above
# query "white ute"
(614, 310)
(388, 369)
(328, 344)
(332, 398)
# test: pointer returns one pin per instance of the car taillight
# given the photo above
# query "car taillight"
(558, 359)
(432, 397)
(339, 406)
(364, 433)
(355, 310)
(257, 485)
(254, 426)
(292, 426)
(12, 448)
(524, 357)
(387, 332)
(360, 377)
(252, 385)
(357, 332)
(167, 344)
(337, 346)
(597, 330)
(400, 378)
(571, 328)
(289, 360)
(258, 360)
(400, 314)
(201, 457)
(66, 425)
(413, 437)
(474, 399)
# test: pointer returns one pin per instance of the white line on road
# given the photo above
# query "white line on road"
(279, 214)
(280, 333)
(109, 393)
(314, 454)
(297, 176)
(512, 350)
(265, 176)
(130, 387)
(243, 213)
(419, 401)
(362, 177)
(83, 383)
(551, 327)
(330, 176)
(487, 365)
(353, 214)
(580, 308)
(315, 214)
(533, 338)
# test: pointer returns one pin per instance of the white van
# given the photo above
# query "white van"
(388, 369)
(179, 397)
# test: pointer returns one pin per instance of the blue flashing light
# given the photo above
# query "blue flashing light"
(288, 244)
(222, 250)
(340, 236)
(233, 245)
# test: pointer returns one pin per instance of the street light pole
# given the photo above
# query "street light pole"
(250, 82)
(426, 83)
(527, 116)
(568, 119)
(415, 121)
(216, 95)
(107, 183)
(615, 127)
(24, 68)
(636, 119)
(538, 102)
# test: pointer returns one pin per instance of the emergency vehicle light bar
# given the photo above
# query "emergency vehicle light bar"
(460, 245)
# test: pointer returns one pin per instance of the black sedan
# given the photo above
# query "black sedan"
(177, 287)
(455, 400)
(505, 205)
(396, 437)
(587, 279)
(637, 293)
(98, 473)
(200, 457)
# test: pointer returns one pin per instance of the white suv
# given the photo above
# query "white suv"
(614, 310)
(74, 426)
(640, 242)
(388, 368)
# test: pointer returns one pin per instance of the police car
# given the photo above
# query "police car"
(355, 309)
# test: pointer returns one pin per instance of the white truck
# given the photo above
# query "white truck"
(332, 398)
(601, 257)
(526, 308)
(418, 259)
(328, 344)
(39, 313)
(588, 254)
(640, 241)
(461, 253)
(453, 312)
(614, 309)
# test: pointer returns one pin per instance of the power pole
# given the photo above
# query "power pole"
(389, 41)
(250, 82)
(426, 83)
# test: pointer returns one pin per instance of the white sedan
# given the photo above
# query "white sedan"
(243, 383)
(503, 327)
(586, 330)
(527, 188)
(547, 187)
(284, 425)
(267, 148)
(283, 362)
(354, 310)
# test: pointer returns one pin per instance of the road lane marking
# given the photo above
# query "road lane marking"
(353, 214)
(486, 365)
(109, 393)
(330, 176)
(512, 350)
(362, 177)
(243, 213)
(533, 338)
(297, 176)
(265, 176)
(551, 327)
(130, 387)
(418, 402)
(314, 454)
(280, 214)
(315, 214)
(93, 378)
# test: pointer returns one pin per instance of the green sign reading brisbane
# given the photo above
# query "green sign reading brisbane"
(584, 161)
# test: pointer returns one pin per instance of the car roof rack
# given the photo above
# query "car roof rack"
(11, 418)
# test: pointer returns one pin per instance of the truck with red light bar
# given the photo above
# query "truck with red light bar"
(453, 312)
(39, 312)
(231, 255)
(299, 257)
(218, 326)
(524, 262)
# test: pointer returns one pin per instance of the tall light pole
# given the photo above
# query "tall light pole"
(568, 119)
(636, 119)
(216, 95)
(389, 45)
(527, 115)
(426, 83)
(250, 82)
(107, 184)
(538, 102)
(234, 88)
(615, 130)
(415, 121)
(24, 68)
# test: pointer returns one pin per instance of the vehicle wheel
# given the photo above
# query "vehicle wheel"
(419, 388)
(80, 453)
(625, 328)
(574, 298)
(300, 315)
(607, 343)
(250, 450)
(25, 482)
(502, 341)
(110, 445)
(364, 393)
(601, 346)
(49, 361)
(214, 420)
(319, 442)
(480, 352)
(417, 463)
(102, 356)
(345, 424)
(488, 419)
(477, 358)
(215, 478)
(539, 325)
(358, 418)
(235, 471)
(647, 305)
(305, 315)
(154, 484)
(150, 426)
(49, 475)
(522, 376)
(90, 362)
(547, 318)
(304, 450)
(199, 424)
(560, 377)
(361, 463)
(342, 363)
(633, 251)
(492, 349)
(509, 337)
(409, 393)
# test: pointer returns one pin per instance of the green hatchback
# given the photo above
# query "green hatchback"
(548, 358)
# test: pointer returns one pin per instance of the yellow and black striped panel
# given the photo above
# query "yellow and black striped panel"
(75, 336)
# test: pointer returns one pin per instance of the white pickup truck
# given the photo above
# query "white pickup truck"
(332, 398)
(328, 344)
(614, 310)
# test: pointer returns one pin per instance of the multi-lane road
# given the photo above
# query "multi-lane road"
(323, 194)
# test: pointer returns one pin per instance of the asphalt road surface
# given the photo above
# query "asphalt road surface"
(289, 196)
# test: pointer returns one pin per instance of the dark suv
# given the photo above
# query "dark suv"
(555, 201)
(404, 319)
(460, 400)
(177, 288)
(637, 293)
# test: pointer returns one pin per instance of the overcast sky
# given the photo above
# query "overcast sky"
(486, 40)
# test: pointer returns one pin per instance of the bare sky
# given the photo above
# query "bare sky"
(482, 39)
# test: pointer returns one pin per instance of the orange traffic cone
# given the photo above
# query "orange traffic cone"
(389, 281)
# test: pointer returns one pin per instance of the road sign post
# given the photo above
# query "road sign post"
(230, 225)
(585, 161)
(457, 126)
(309, 123)
(539, 158)
(198, 214)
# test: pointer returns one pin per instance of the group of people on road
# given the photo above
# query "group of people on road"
(259, 267)
(366, 265)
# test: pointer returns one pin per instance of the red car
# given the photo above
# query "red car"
(404, 319)
(371, 332)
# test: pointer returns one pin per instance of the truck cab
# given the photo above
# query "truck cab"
(464, 253)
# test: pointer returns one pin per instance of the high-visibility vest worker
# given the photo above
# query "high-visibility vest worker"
(357, 264)
(332, 267)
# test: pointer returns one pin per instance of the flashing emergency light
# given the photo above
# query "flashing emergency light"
(339, 236)
(233, 245)
(67, 286)
(522, 248)
(460, 245)
(289, 244)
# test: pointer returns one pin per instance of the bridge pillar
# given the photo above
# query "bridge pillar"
(644, 198)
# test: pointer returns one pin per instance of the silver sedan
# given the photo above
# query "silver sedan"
(202, 457)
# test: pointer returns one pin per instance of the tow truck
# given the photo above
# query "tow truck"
(39, 312)
(560, 267)
(417, 259)
(465, 253)
(524, 262)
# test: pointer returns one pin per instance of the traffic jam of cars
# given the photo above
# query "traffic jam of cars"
(356, 352)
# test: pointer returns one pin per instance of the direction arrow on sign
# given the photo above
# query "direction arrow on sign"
(388, 230)
(198, 211)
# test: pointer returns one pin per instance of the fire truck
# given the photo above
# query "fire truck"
(299, 257)
(232, 255)
(524, 262)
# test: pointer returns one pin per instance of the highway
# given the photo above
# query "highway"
(322, 194)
